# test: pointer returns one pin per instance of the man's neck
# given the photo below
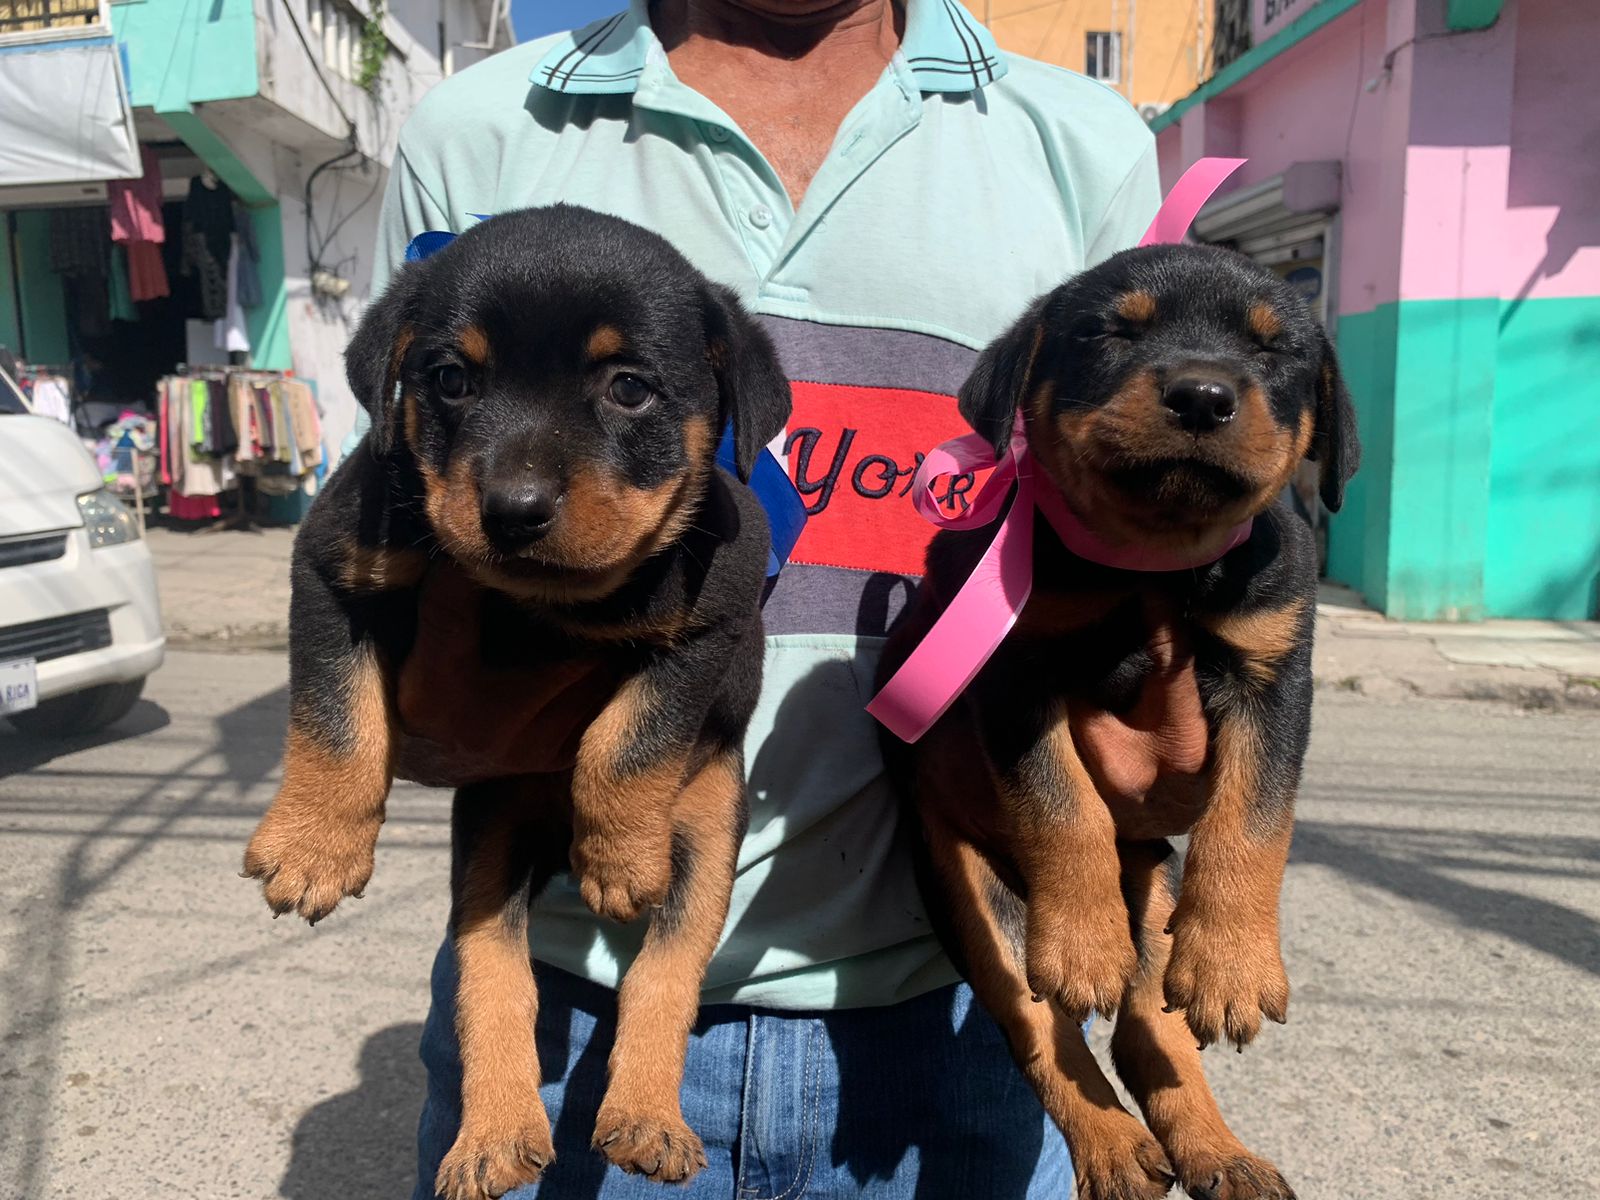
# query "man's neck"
(786, 73)
(819, 32)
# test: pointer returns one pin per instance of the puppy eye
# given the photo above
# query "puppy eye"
(629, 391)
(452, 381)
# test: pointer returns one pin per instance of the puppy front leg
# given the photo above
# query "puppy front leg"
(633, 762)
(623, 789)
(315, 844)
(1080, 952)
(640, 1124)
(1226, 969)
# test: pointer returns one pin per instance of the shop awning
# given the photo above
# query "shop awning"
(64, 114)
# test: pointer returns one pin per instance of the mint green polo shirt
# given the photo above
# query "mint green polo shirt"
(964, 184)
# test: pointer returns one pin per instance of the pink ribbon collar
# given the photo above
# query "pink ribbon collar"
(977, 620)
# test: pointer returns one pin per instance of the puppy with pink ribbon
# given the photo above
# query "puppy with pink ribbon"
(1065, 695)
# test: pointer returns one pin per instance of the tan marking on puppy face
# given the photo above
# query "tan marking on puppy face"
(1264, 322)
(607, 527)
(474, 343)
(1134, 427)
(603, 343)
(1262, 638)
(454, 510)
(409, 420)
(379, 568)
(397, 357)
(1044, 396)
(1136, 306)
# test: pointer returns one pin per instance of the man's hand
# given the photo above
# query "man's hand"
(463, 721)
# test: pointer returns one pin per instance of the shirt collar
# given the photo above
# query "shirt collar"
(944, 47)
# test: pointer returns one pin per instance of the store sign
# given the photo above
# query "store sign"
(1268, 17)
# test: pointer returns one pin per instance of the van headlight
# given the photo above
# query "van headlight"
(107, 519)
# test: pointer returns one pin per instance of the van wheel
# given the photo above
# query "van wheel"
(79, 712)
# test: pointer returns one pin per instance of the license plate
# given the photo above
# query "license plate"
(19, 685)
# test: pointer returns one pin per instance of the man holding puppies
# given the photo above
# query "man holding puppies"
(886, 190)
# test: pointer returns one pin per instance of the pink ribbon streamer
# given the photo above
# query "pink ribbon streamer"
(986, 608)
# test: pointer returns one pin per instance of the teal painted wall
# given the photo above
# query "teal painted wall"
(1543, 534)
(44, 300)
(10, 317)
(1445, 355)
(1479, 489)
(268, 324)
(185, 52)
(1358, 535)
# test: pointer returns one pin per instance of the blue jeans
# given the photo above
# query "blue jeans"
(917, 1101)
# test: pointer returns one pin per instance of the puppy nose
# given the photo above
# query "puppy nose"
(519, 512)
(1201, 404)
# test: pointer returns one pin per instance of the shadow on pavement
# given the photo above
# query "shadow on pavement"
(21, 752)
(362, 1144)
(1414, 864)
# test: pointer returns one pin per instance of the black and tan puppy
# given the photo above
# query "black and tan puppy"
(547, 396)
(1169, 394)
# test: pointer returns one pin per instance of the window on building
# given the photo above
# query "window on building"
(1103, 57)
(32, 17)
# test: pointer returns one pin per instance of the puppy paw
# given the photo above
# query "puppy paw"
(655, 1145)
(617, 884)
(489, 1161)
(1239, 1176)
(308, 869)
(1121, 1163)
(1225, 977)
(1241, 1179)
(1082, 962)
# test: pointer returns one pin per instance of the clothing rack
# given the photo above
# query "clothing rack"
(234, 430)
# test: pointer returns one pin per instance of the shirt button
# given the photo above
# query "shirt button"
(761, 216)
(717, 133)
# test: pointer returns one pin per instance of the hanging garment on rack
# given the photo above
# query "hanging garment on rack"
(306, 419)
(222, 439)
(136, 203)
(229, 333)
(207, 236)
(249, 286)
(211, 292)
(147, 273)
(208, 211)
(239, 408)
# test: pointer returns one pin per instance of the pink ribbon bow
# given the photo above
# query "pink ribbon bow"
(977, 620)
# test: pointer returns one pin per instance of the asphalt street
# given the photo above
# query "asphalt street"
(160, 1035)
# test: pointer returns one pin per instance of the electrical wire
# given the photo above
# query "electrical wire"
(316, 67)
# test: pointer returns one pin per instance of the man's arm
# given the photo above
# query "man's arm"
(1130, 211)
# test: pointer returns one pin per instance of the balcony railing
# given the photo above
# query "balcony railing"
(35, 17)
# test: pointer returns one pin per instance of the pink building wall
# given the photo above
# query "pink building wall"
(1471, 167)
(1551, 237)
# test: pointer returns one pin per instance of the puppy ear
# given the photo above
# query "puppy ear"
(373, 357)
(752, 389)
(1334, 445)
(990, 396)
